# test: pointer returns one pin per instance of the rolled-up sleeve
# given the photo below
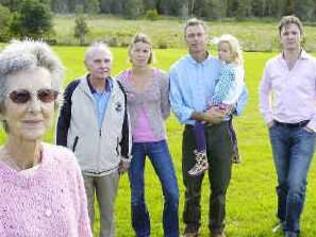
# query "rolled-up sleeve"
(242, 101)
(178, 106)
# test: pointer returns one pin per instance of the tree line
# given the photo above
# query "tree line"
(207, 9)
(34, 18)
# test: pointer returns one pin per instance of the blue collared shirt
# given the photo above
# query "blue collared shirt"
(192, 86)
(101, 99)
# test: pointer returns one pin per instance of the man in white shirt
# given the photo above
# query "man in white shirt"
(287, 102)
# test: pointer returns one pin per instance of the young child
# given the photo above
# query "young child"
(227, 91)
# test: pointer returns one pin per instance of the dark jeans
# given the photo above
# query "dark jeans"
(219, 141)
(159, 155)
(293, 150)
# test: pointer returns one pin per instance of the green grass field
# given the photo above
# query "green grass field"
(259, 35)
(251, 199)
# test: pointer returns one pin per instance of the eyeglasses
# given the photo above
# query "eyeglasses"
(22, 96)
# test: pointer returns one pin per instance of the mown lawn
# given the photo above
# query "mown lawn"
(251, 199)
(254, 35)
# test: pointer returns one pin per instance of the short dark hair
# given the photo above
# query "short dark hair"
(291, 19)
(194, 22)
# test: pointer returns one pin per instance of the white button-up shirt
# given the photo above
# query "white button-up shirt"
(289, 95)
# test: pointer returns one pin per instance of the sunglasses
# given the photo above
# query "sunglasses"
(23, 96)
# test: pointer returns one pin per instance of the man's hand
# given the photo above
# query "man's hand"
(308, 129)
(216, 115)
(123, 166)
(213, 115)
(270, 124)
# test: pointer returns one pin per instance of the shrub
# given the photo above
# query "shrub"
(162, 44)
(5, 20)
(112, 41)
(152, 15)
(34, 20)
(81, 27)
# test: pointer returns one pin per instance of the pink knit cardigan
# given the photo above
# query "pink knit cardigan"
(47, 201)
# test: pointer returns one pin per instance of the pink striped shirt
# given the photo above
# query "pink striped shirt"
(289, 96)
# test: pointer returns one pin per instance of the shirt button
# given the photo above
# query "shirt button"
(48, 212)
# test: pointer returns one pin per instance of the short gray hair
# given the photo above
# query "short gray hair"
(195, 22)
(97, 45)
(25, 55)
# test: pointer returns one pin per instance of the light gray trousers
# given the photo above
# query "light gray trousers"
(105, 187)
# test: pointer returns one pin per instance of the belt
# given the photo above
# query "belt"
(189, 126)
(292, 125)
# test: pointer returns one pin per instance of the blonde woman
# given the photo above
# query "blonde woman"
(147, 99)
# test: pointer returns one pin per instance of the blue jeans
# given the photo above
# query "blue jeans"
(293, 150)
(159, 155)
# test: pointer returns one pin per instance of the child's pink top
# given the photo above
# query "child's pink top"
(49, 201)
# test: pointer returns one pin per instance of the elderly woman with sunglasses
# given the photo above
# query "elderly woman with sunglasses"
(41, 188)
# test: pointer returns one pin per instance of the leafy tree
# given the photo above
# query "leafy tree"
(305, 9)
(132, 8)
(259, 7)
(92, 6)
(72, 4)
(117, 7)
(244, 9)
(81, 26)
(215, 9)
(105, 6)
(152, 15)
(59, 6)
(149, 4)
(13, 5)
(176, 7)
(5, 19)
(34, 20)
(208, 9)
(163, 6)
(290, 7)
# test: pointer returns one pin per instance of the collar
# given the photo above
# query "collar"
(107, 88)
(193, 61)
(302, 56)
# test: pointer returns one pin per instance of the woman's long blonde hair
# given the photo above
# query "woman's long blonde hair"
(141, 37)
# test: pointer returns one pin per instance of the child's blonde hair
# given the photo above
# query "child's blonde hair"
(234, 47)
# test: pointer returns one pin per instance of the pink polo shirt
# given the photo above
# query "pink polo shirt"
(289, 96)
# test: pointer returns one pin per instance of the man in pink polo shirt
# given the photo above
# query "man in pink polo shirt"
(288, 105)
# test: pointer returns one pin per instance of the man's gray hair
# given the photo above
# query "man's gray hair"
(98, 45)
(26, 55)
(195, 22)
